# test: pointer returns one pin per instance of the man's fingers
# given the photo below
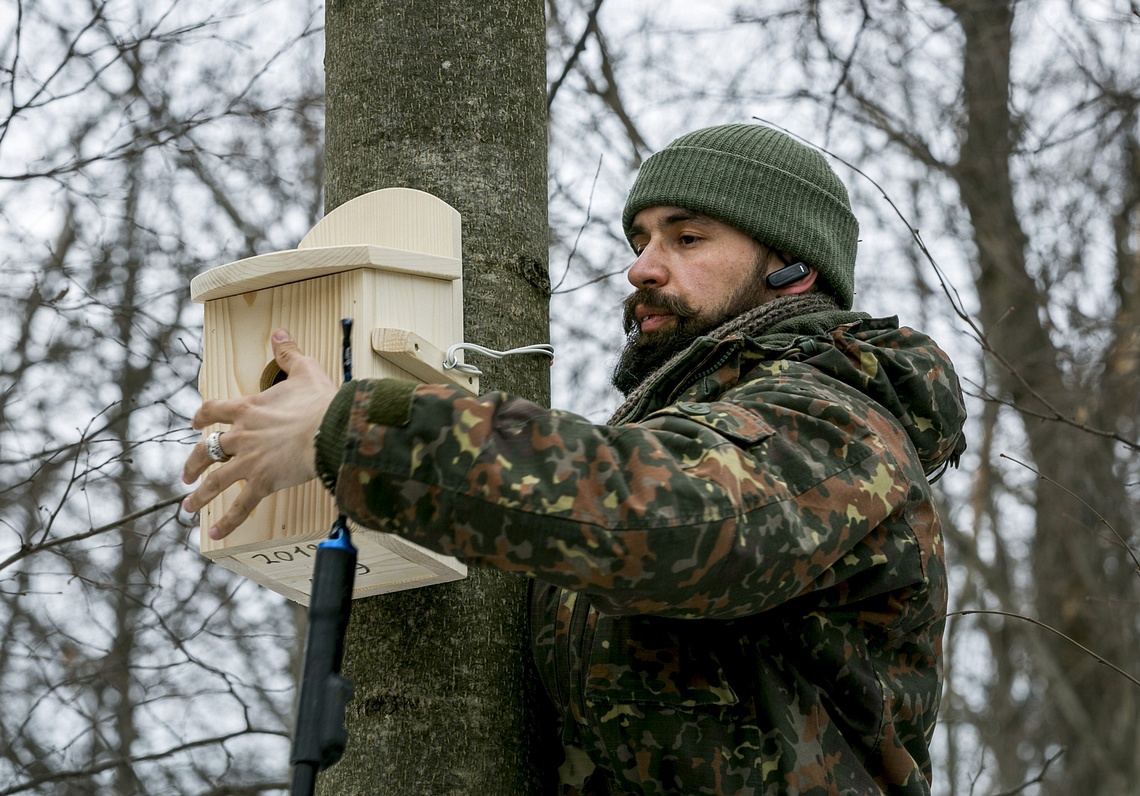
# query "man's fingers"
(219, 410)
(285, 351)
(196, 464)
(300, 368)
(215, 482)
(200, 460)
(239, 510)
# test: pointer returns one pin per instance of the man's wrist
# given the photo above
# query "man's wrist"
(389, 404)
(329, 443)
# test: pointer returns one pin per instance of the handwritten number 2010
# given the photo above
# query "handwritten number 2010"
(285, 556)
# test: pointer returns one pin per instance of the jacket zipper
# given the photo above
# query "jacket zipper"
(727, 355)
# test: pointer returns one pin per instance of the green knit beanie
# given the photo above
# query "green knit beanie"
(764, 183)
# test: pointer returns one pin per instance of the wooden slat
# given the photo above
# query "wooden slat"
(295, 265)
(413, 353)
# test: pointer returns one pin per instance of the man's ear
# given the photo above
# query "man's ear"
(792, 279)
(801, 285)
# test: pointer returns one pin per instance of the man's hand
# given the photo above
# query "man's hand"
(269, 439)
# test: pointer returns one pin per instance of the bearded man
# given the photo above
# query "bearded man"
(738, 584)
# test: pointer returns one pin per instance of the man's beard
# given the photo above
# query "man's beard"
(644, 353)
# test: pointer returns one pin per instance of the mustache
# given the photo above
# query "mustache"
(658, 299)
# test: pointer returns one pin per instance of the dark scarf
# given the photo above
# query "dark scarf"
(802, 314)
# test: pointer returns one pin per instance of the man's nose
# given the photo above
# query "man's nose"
(648, 270)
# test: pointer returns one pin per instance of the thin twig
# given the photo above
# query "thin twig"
(1082, 647)
(581, 230)
(1036, 780)
(1120, 538)
(29, 549)
(579, 48)
(96, 768)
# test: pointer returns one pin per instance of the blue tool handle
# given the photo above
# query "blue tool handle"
(320, 736)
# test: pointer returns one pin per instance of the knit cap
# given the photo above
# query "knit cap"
(764, 183)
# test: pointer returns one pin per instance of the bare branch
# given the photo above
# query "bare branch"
(1099, 659)
(50, 544)
(64, 776)
(579, 48)
(1100, 517)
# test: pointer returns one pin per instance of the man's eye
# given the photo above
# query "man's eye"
(686, 240)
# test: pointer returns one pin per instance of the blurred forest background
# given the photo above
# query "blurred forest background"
(992, 150)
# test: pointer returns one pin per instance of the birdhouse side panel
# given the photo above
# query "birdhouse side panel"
(431, 308)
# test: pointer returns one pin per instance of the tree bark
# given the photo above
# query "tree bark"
(1082, 582)
(449, 97)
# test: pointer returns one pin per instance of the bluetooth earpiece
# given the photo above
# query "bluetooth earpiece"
(787, 275)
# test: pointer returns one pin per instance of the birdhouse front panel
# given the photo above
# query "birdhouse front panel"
(406, 308)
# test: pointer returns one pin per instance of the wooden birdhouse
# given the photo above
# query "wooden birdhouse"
(389, 260)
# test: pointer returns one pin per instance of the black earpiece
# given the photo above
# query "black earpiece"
(787, 275)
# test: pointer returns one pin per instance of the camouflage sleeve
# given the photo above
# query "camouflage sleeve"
(717, 509)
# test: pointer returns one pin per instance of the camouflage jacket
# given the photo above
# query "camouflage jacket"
(742, 591)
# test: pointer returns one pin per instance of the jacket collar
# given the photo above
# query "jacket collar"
(706, 356)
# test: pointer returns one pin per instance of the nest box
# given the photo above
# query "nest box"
(391, 261)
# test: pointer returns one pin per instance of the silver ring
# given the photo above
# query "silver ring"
(214, 448)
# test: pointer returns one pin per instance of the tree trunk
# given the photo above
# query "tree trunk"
(448, 97)
(1084, 585)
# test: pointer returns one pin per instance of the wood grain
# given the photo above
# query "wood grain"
(389, 261)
